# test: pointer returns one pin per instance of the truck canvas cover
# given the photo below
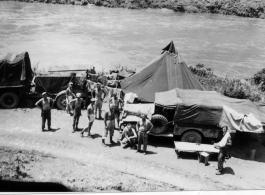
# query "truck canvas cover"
(204, 107)
(15, 69)
(54, 83)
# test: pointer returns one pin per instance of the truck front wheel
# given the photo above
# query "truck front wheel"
(192, 137)
(61, 102)
(9, 100)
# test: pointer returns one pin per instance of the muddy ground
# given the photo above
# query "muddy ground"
(60, 160)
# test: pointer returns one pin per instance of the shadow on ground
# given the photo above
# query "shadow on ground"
(52, 130)
(18, 186)
(155, 141)
(248, 146)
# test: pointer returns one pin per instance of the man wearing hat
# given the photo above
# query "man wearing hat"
(45, 104)
(114, 100)
(69, 97)
(77, 103)
(109, 121)
(143, 127)
(90, 116)
(88, 93)
(99, 100)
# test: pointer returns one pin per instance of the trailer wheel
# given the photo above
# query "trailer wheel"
(9, 100)
(61, 102)
(192, 137)
(159, 124)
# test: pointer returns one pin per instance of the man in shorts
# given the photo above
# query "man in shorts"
(129, 137)
(116, 102)
(99, 100)
(45, 104)
(143, 127)
(88, 93)
(77, 103)
(109, 121)
(69, 97)
(90, 116)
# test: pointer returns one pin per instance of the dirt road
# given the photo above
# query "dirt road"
(83, 164)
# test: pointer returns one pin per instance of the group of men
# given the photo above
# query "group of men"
(94, 100)
(129, 137)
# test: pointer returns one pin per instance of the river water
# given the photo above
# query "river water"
(67, 36)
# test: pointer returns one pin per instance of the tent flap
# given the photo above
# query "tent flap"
(240, 122)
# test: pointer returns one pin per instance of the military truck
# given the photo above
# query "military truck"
(56, 83)
(15, 79)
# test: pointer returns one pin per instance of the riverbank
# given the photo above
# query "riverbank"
(242, 8)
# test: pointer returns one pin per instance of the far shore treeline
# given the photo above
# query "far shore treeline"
(243, 8)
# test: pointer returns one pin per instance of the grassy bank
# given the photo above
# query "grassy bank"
(251, 88)
(243, 8)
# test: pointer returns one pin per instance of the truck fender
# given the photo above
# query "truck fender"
(59, 94)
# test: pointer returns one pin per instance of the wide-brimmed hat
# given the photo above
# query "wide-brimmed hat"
(44, 93)
(78, 95)
(71, 83)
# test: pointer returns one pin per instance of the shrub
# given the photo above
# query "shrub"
(231, 87)
(259, 79)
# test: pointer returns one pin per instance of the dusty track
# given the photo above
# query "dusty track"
(20, 129)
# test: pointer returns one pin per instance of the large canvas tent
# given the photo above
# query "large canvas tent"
(15, 69)
(204, 107)
(164, 73)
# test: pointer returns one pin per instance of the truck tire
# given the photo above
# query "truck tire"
(9, 100)
(159, 124)
(192, 137)
(61, 102)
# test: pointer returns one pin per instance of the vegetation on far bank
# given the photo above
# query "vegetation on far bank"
(251, 88)
(243, 8)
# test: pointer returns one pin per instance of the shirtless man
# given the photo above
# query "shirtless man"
(129, 137)
(99, 100)
(69, 97)
(143, 128)
(45, 104)
(109, 120)
(77, 110)
(90, 116)
(116, 102)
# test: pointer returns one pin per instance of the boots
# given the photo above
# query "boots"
(73, 129)
(103, 143)
(111, 141)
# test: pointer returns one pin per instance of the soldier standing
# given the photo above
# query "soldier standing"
(69, 97)
(99, 100)
(116, 102)
(109, 121)
(224, 145)
(45, 104)
(77, 110)
(91, 117)
(143, 127)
